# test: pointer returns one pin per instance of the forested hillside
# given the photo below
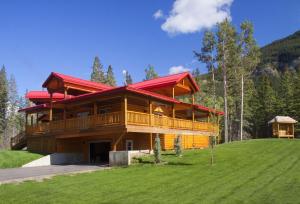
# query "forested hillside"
(281, 54)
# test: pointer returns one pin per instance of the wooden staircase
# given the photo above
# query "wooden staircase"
(19, 141)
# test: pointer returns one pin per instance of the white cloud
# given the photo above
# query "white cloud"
(158, 14)
(189, 16)
(178, 69)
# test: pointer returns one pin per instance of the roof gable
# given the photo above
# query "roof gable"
(167, 82)
(57, 82)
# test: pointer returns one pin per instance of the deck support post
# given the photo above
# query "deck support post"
(151, 145)
(116, 141)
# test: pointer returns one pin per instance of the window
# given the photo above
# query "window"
(129, 145)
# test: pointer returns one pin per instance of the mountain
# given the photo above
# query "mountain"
(281, 54)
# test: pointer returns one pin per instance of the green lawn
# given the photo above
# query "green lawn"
(257, 171)
(10, 159)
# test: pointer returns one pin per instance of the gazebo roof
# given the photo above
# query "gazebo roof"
(282, 119)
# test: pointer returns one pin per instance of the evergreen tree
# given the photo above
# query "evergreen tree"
(157, 149)
(3, 103)
(13, 106)
(207, 56)
(150, 73)
(97, 71)
(226, 57)
(110, 78)
(177, 146)
(128, 79)
(249, 54)
(286, 95)
(264, 104)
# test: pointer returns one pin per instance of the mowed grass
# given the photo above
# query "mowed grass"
(11, 159)
(256, 171)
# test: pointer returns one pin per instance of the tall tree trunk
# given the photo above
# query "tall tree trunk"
(225, 96)
(213, 80)
(242, 108)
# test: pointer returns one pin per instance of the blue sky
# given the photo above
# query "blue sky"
(38, 37)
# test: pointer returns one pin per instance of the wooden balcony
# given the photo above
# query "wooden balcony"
(143, 122)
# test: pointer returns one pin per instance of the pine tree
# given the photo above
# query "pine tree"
(207, 56)
(157, 149)
(110, 78)
(177, 146)
(265, 106)
(128, 79)
(286, 94)
(249, 54)
(97, 71)
(3, 103)
(13, 106)
(150, 73)
(226, 57)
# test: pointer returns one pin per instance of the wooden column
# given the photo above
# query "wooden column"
(293, 130)
(65, 92)
(37, 118)
(150, 113)
(50, 111)
(151, 145)
(173, 92)
(124, 109)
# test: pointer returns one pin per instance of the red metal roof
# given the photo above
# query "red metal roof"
(120, 89)
(44, 95)
(165, 81)
(75, 80)
(200, 107)
(117, 90)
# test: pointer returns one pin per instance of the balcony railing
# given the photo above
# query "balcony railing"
(144, 119)
(133, 118)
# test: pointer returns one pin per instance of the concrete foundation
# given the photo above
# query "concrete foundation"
(56, 159)
(124, 158)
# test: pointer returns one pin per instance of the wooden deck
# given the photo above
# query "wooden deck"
(132, 121)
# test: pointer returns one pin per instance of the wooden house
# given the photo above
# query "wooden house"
(80, 116)
(283, 126)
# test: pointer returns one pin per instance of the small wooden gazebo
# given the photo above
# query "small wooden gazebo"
(283, 126)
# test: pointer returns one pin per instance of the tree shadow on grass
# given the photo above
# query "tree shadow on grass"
(178, 164)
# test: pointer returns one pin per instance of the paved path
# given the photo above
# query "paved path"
(38, 173)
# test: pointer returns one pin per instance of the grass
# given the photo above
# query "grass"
(256, 171)
(11, 159)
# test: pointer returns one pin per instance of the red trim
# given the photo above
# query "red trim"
(45, 95)
(77, 81)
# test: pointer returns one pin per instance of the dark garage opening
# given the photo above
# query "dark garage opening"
(99, 152)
